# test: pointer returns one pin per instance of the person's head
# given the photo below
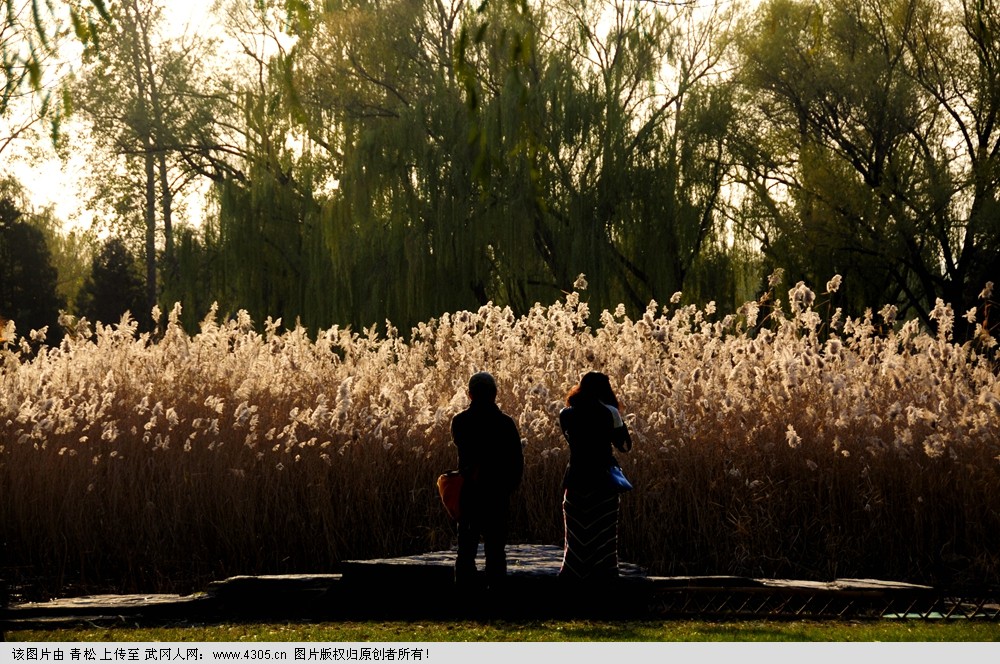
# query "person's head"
(593, 386)
(482, 387)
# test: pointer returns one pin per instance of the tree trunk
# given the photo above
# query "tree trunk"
(147, 141)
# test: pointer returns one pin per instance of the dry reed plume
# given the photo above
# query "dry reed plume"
(783, 441)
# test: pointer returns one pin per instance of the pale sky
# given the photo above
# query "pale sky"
(48, 180)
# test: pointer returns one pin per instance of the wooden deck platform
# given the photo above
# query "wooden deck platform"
(420, 587)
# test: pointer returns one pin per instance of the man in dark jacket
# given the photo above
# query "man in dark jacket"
(491, 462)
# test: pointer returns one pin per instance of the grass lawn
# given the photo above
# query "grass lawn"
(540, 630)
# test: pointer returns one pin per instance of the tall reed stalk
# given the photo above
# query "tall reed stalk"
(787, 445)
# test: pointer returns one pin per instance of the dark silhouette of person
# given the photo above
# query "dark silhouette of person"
(592, 424)
(491, 462)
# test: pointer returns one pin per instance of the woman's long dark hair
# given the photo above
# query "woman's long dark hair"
(594, 386)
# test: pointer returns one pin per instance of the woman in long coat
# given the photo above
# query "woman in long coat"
(593, 426)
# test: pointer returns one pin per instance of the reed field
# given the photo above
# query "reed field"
(789, 440)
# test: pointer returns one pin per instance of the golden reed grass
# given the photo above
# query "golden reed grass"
(786, 444)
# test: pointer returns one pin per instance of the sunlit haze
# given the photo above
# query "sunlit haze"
(55, 183)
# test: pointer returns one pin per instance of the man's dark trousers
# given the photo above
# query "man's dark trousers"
(486, 519)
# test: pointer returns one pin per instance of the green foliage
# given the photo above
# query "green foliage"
(197, 279)
(398, 159)
(447, 156)
(870, 145)
(28, 280)
(71, 252)
(143, 97)
(115, 286)
(31, 32)
(269, 249)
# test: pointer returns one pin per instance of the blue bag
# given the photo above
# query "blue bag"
(618, 480)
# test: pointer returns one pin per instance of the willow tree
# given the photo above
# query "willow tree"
(636, 153)
(448, 155)
(407, 219)
(875, 144)
(31, 34)
(368, 87)
(504, 149)
(354, 199)
(265, 247)
(14, 75)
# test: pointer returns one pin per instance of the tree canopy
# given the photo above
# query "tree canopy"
(28, 280)
(874, 142)
(398, 159)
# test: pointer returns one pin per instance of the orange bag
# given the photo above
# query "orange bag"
(450, 488)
